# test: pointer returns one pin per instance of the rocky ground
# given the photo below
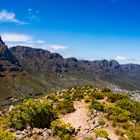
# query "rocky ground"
(82, 120)
(85, 123)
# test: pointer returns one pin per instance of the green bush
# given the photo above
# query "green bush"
(105, 89)
(78, 94)
(65, 106)
(102, 121)
(97, 95)
(64, 131)
(87, 99)
(126, 104)
(117, 114)
(134, 133)
(53, 97)
(96, 105)
(101, 133)
(3, 122)
(113, 97)
(5, 135)
(136, 112)
(35, 113)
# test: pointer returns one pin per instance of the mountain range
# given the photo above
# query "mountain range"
(26, 72)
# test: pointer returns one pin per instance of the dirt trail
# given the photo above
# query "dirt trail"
(80, 121)
(79, 118)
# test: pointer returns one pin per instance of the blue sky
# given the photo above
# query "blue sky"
(86, 29)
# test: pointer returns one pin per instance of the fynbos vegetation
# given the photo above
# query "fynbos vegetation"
(45, 113)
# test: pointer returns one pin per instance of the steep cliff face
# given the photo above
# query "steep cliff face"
(8, 62)
(54, 61)
(43, 63)
(14, 80)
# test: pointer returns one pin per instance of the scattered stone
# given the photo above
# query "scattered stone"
(35, 131)
(19, 135)
(29, 129)
(10, 108)
(46, 134)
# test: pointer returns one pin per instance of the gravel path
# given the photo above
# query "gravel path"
(80, 121)
(79, 118)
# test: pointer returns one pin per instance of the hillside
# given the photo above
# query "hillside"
(71, 72)
(15, 82)
(79, 113)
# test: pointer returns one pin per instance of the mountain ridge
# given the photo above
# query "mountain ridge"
(41, 62)
(26, 71)
(15, 82)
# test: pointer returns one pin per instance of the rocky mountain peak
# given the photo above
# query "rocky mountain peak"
(5, 54)
(1, 41)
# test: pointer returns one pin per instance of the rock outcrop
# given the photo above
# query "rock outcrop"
(8, 62)
(43, 63)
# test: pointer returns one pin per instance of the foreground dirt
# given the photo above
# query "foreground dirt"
(80, 121)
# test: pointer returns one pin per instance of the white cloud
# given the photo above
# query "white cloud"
(32, 15)
(40, 41)
(8, 37)
(6, 16)
(121, 58)
(13, 39)
(55, 47)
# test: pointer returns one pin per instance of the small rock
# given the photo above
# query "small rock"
(29, 129)
(20, 136)
(25, 130)
(18, 132)
(1, 113)
(35, 131)
(46, 134)
(10, 108)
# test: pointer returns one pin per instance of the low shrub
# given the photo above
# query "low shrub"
(117, 114)
(78, 94)
(126, 104)
(5, 135)
(35, 113)
(65, 106)
(136, 112)
(105, 89)
(3, 122)
(134, 133)
(53, 97)
(102, 121)
(101, 133)
(64, 131)
(87, 99)
(113, 97)
(97, 95)
(97, 105)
